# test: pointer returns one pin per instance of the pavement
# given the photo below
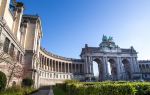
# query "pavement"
(44, 91)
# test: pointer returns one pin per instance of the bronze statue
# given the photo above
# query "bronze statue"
(105, 39)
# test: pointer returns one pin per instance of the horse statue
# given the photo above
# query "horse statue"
(107, 39)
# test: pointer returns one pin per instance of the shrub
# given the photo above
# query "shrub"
(107, 88)
(3, 81)
(17, 90)
(27, 82)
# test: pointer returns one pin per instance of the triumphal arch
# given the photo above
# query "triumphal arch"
(114, 63)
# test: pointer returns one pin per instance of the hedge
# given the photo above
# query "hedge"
(106, 88)
(17, 90)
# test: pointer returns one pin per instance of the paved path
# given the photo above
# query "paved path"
(51, 91)
(44, 91)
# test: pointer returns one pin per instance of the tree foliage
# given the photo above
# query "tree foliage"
(3, 81)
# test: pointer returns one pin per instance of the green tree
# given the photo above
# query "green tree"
(3, 81)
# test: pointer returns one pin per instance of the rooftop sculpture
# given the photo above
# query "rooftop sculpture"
(107, 39)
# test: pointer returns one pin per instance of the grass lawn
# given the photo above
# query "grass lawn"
(58, 91)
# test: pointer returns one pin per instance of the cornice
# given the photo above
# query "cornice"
(60, 57)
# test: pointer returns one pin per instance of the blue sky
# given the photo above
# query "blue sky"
(69, 24)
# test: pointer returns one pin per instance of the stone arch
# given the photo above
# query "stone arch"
(100, 68)
(147, 67)
(127, 68)
(143, 67)
(113, 69)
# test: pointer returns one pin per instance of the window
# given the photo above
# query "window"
(18, 54)
(6, 45)
(11, 52)
(21, 58)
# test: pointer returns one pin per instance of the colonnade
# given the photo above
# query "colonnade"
(53, 65)
(144, 68)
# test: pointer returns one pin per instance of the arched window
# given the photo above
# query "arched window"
(11, 51)
(6, 45)
(147, 67)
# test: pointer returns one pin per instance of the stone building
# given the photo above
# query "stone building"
(144, 66)
(122, 63)
(20, 39)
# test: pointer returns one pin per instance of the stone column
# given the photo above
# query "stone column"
(58, 67)
(40, 61)
(65, 67)
(132, 64)
(86, 65)
(105, 68)
(122, 69)
(137, 65)
(54, 64)
(92, 69)
(118, 68)
(91, 66)
(44, 63)
(71, 67)
(48, 64)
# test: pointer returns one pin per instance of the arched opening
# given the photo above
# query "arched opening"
(127, 69)
(95, 69)
(112, 70)
(147, 67)
(98, 69)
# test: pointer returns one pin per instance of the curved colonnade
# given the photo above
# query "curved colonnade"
(144, 66)
(56, 69)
